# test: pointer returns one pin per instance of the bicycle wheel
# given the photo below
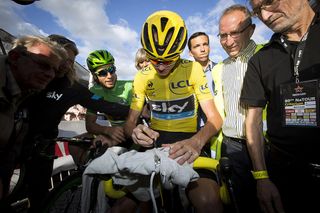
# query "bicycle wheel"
(17, 190)
(16, 180)
(66, 197)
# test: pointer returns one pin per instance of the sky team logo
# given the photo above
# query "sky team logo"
(174, 109)
(54, 95)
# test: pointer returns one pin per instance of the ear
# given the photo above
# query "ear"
(95, 78)
(190, 54)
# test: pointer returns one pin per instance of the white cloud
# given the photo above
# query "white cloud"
(88, 23)
(94, 30)
(209, 21)
(12, 22)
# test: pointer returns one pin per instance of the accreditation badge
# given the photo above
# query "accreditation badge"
(300, 104)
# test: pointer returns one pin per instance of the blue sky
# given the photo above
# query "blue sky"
(115, 24)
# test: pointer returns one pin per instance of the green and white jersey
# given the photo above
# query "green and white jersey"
(121, 93)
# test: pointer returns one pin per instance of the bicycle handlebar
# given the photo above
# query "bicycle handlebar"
(94, 150)
(206, 163)
(76, 140)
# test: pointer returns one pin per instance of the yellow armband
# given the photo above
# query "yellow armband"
(262, 174)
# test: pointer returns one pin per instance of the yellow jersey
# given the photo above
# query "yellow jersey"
(173, 99)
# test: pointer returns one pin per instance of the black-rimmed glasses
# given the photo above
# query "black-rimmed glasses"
(268, 5)
(234, 34)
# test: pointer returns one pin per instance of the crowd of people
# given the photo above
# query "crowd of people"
(190, 106)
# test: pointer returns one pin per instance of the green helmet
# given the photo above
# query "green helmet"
(99, 58)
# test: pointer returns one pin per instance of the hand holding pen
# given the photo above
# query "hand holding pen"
(147, 125)
(144, 135)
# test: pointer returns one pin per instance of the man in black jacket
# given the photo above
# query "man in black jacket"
(284, 76)
(46, 110)
(28, 68)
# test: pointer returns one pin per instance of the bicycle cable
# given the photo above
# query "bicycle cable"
(153, 199)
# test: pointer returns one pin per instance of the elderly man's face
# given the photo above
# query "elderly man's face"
(235, 32)
(36, 67)
(279, 15)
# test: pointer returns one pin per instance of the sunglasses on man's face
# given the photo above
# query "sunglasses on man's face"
(62, 41)
(104, 72)
(42, 62)
(157, 63)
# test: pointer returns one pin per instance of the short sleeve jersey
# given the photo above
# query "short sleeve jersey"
(121, 93)
(173, 99)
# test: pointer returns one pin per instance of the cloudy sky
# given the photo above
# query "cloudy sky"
(115, 24)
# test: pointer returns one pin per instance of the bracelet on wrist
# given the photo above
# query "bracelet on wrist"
(262, 174)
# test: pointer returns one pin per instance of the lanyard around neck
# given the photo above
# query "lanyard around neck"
(299, 51)
(298, 54)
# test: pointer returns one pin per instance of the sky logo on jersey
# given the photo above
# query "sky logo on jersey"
(54, 95)
(173, 110)
(179, 87)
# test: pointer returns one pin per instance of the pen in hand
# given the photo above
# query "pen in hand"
(147, 125)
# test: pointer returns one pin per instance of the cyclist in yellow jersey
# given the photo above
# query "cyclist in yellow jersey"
(175, 88)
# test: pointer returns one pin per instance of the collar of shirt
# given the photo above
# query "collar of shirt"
(209, 67)
(244, 54)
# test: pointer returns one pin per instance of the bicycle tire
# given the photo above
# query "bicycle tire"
(16, 190)
(66, 197)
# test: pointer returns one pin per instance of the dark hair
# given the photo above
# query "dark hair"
(194, 35)
(65, 42)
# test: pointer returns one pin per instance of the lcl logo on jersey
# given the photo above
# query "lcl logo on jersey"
(180, 84)
(204, 88)
(179, 87)
(185, 61)
(145, 70)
